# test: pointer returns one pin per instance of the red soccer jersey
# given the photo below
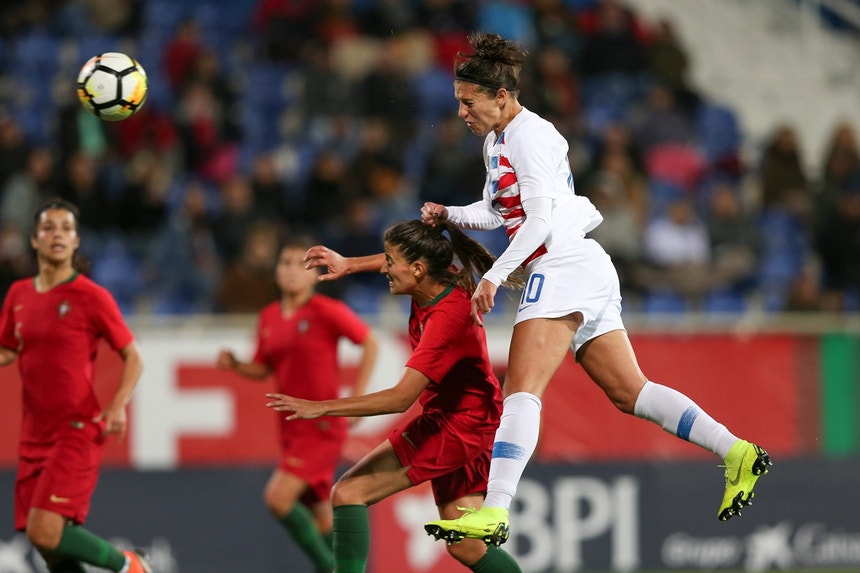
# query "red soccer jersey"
(451, 350)
(302, 351)
(56, 334)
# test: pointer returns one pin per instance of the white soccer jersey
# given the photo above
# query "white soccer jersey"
(528, 161)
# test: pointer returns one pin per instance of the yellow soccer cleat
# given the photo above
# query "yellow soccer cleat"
(490, 524)
(744, 464)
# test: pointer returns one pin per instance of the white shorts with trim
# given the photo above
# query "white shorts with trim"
(578, 278)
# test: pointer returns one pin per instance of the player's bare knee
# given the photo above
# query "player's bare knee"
(343, 493)
(44, 539)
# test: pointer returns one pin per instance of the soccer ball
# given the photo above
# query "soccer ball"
(112, 86)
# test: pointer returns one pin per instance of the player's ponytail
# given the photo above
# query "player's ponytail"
(438, 245)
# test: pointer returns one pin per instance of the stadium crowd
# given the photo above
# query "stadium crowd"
(337, 118)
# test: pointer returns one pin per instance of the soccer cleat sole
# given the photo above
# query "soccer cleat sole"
(759, 468)
(497, 537)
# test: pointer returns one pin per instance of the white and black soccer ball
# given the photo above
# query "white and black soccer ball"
(112, 86)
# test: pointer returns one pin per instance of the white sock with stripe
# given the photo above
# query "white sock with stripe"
(679, 415)
(514, 445)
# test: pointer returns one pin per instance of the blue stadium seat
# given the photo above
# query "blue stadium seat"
(718, 131)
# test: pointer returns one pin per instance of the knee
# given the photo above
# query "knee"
(623, 396)
(344, 494)
(44, 539)
(277, 504)
(468, 552)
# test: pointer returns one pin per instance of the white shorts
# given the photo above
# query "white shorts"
(578, 278)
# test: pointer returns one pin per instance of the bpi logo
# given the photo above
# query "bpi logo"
(557, 521)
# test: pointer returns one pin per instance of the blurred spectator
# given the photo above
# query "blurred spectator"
(284, 26)
(83, 186)
(452, 174)
(677, 251)
(248, 284)
(142, 207)
(556, 26)
(27, 189)
(838, 243)
(13, 148)
(237, 215)
(621, 232)
(387, 93)
(556, 86)
(784, 181)
(668, 64)
(207, 137)
(613, 40)
(661, 122)
(394, 197)
(840, 166)
(325, 192)
(184, 263)
(122, 17)
(180, 53)
(734, 236)
(269, 192)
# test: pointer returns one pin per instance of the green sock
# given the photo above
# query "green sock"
(351, 538)
(300, 523)
(496, 560)
(78, 544)
(329, 539)
(67, 566)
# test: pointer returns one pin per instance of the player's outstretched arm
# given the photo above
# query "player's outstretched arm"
(337, 266)
(389, 401)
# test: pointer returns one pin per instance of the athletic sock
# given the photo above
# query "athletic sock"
(329, 539)
(496, 560)
(78, 544)
(67, 566)
(300, 523)
(679, 415)
(351, 538)
(516, 439)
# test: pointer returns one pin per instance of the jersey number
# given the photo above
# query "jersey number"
(533, 289)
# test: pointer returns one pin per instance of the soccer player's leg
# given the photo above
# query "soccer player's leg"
(745, 464)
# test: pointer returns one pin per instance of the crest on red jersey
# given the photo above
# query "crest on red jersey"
(64, 308)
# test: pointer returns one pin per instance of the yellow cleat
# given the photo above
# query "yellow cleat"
(744, 464)
(490, 524)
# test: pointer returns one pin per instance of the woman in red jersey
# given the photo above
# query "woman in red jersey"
(449, 372)
(297, 341)
(52, 324)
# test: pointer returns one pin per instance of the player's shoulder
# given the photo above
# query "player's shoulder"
(84, 284)
(530, 125)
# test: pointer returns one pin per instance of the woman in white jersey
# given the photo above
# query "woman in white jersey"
(571, 298)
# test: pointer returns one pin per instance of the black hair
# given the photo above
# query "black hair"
(417, 240)
(495, 63)
(55, 203)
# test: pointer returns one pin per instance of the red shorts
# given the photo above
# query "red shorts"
(312, 456)
(60, 476)
(447, 450)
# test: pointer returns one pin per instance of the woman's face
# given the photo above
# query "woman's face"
(56, 237)
(481, 112)
(291, 275)
(401, 274)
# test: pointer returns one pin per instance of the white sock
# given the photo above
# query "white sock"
(679, 415)
(515, 443)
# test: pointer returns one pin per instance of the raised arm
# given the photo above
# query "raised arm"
(338, 266)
